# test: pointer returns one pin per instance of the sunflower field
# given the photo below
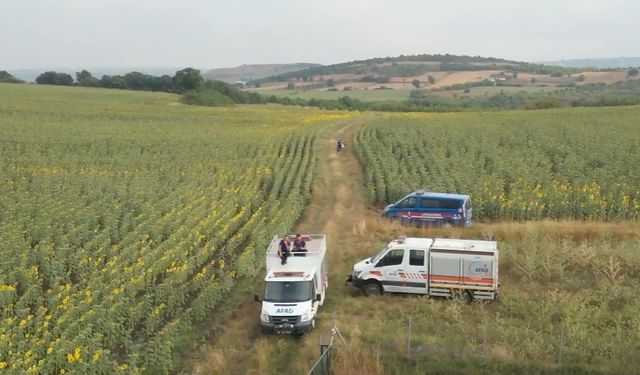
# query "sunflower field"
(125, 217)
(576, 163)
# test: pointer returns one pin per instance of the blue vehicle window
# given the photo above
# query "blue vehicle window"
(451, 204)
(407, 203)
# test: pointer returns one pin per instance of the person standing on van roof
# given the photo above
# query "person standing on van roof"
(299, 245)
(284, 249)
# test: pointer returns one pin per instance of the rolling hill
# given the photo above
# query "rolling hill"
(394, 78)
(254, 71)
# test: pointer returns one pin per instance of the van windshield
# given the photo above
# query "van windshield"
(409, 202)
(288, 291)
(376, 257)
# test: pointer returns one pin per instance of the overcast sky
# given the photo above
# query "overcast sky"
(213, 34)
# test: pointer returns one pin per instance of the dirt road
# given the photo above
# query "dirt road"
(337, 208)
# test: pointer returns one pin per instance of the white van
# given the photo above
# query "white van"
(294, 291)
(436, 267)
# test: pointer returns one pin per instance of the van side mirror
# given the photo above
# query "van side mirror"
(256, 298)
(319, 297)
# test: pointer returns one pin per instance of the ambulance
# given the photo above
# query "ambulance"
(464, 269)
(294, 291)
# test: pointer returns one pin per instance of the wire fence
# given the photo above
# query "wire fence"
(413, 341)
(323, 364)
(480, 339)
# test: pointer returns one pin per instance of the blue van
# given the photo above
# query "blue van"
(422, 207)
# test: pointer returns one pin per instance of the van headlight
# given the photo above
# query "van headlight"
(356, 273)
(306, 316)
(264, 317)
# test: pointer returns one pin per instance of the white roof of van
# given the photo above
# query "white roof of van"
(445, 244)
(413, 241)
(468, 245)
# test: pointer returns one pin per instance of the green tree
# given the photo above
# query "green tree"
(7, 77)
(112, 82)
(632, 72)
(187, 79)
(431, 79)
(54, 78)
(416, 83)
(291, 86)
(137, 81)
(84, 78)
(162, 83)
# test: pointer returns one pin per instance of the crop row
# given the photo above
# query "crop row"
(516, 165)
(117, 237)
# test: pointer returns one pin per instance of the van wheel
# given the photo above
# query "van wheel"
(462, 296)
(372, 289)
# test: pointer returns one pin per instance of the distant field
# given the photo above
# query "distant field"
(400, 94)
(493, 90)
(365, 95)
(125, 217)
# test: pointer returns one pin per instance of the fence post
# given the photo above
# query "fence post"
(409, 339)
(484, 337)
(561, 344)
(325, 361)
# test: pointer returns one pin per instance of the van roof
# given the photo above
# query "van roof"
(465, 245)
(413, 242)
(431, 194)
(297, 267)
(447, 244)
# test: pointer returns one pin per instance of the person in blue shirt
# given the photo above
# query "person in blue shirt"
(299, 246)
(284, 249)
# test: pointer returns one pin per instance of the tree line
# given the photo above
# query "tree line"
(195, 90)
(183, 80)
(6, 77)
(217, 93)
